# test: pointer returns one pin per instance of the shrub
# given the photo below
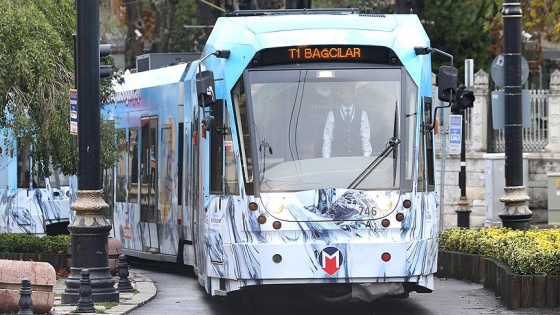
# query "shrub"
(535, 251)
(27, 243)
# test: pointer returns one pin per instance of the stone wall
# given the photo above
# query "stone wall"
(539, 164)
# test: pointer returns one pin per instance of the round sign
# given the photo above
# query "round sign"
(498, 72)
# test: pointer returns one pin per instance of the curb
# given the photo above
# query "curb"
(144, 291)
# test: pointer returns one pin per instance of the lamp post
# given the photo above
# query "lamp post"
(516, 214)
(89, 230)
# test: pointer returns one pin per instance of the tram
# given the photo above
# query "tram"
(31, 204)
(227, 166)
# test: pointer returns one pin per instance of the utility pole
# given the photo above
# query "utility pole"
(516, 214)
(464, 100)
(90, 229)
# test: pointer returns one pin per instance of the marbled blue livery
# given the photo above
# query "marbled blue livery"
(292, 217)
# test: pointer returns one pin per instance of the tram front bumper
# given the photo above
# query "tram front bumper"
(332, 263)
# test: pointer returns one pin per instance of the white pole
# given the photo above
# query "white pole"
(443, 133)
(469, 74)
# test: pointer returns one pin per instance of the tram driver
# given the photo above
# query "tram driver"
(347, 129)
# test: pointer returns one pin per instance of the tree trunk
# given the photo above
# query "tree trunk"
(165, 11)
(207, 15)
(404, 6)
(133, 45)
(269, 4)
(300, 4)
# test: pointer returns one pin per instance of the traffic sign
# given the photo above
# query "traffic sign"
(73, 111)
(499, 109)
(455, 133)
(497, 70)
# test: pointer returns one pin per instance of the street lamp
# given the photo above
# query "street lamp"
(90, 228)
(516, 214)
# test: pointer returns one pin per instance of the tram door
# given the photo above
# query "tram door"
(149, 188)
(198, 216)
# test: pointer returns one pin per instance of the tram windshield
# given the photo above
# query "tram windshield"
(321, 128)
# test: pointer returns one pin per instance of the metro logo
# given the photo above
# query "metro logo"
(331, 259)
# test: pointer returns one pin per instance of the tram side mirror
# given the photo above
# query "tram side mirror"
(205, 88)
(447, 83)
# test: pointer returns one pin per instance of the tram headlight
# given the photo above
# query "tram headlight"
(384, 204)
(275, 207)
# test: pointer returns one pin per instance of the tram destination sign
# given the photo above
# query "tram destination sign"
(326, 53)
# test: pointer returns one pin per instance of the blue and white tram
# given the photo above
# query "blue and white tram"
(30, 204)
(225, 168)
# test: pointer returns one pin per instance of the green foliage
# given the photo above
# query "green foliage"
(373, 7)
(186, 34)
(27, 243)
(35, 76)
(36, 54)
(539, 17)
(536, 251)
(458, 28)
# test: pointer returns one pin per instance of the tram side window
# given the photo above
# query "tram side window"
(24, 165)
(217, 149)
(422, 185)
(121, 170)
(429, 138)
(167, 163)
(230, 176)
(23, 169)
(108, 174)
(410, 124)
(239, 98)
(430, 161)
(132, 157)
(426, 176)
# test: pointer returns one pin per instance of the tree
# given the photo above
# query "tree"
(208, 14)
(298, 4)
(373, 7)
(36, 54)
(135, 25)
(540, 20)
(165, 12)
(406, 6)
(460, 29)
(187, 34)
(150, 26)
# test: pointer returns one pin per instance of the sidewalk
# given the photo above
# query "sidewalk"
(144, 291)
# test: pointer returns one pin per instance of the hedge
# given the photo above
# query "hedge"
(532, 252)
(28, 243)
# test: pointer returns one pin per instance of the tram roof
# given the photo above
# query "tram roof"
(265, 31)
(155, 77)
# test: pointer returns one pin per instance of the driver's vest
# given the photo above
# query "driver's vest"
(347, 140)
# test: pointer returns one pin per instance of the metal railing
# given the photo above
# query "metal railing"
(535, 138)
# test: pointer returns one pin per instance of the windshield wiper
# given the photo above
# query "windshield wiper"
(391, 145)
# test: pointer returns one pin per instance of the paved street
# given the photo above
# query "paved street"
(180, 293)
